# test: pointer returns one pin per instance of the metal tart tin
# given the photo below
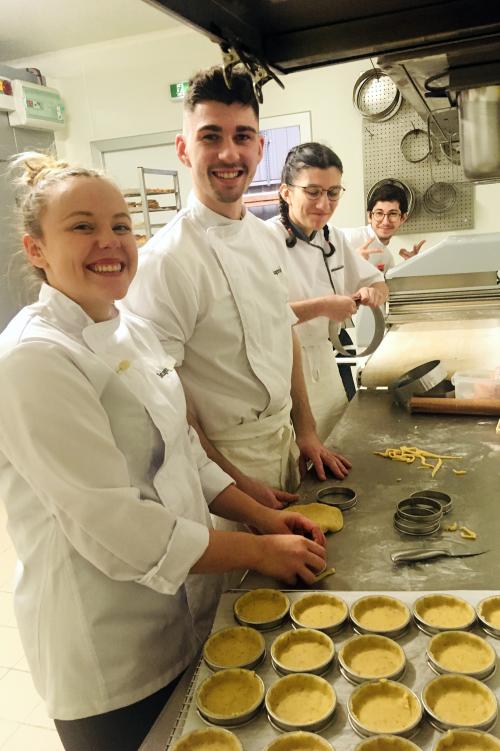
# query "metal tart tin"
(418, 381)
(288, 652)
(387, 695)
(213, 705)
(234, 647)
(336, 495)
(488, 613)
(322, 611)
(300, 740)
(461, 652)
(206, 738)
(386, 743)
(367, 615)
(420, 509)
(443, 498)
(441, 612)
(284, 696)
(443, 692)
(389, 655)
(273, 605)
(418, 528)
(467, 740)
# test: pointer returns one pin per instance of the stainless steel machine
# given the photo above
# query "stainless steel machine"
(444, 304)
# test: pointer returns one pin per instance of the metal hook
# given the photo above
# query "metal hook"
(377, 70)
(258, 70)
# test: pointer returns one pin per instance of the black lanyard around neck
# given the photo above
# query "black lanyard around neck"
(326, 255)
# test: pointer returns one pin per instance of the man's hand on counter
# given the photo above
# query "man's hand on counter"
(312, 450)
(264, 494)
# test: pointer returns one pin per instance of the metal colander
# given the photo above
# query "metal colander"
(376, 96)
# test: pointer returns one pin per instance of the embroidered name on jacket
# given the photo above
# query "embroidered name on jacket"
(277, 271)
(163, 372)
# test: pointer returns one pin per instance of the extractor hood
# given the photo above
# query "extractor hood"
(457, 41)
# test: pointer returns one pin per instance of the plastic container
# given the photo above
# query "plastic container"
(477, 384)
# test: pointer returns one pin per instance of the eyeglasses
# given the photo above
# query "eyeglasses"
(314, 192)
(379, 215)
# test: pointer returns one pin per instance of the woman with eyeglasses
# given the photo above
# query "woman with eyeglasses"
(326, 278)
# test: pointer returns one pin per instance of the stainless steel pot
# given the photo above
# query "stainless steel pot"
(479, 115)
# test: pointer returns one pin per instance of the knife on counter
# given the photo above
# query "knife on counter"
(427, 554)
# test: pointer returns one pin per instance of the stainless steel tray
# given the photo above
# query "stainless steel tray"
(256, 735)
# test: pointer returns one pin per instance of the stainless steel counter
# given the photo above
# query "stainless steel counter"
(360, 552)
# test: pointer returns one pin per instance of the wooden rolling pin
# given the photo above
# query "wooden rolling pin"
(433, 405)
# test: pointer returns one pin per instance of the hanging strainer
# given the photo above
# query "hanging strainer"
(439, 198)
(376, 96)
(416, 145)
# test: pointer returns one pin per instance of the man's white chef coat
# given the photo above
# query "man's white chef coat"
(106, 492)
(216, 292)
(357, 236)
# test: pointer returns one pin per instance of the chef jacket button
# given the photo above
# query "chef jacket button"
(123, 365)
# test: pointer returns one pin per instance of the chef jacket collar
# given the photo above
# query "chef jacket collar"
(66, 314)
(208, 217)
(300, 235)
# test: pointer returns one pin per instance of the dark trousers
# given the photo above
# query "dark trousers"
(122, 729)
(345, 370)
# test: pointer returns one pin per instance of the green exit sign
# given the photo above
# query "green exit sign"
(178, 90)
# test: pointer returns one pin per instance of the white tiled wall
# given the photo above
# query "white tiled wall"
(24, 725)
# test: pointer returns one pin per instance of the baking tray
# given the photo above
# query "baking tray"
(256, 735)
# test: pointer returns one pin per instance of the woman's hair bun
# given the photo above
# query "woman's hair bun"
(32, 166)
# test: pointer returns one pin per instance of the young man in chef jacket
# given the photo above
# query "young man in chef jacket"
(213, 284)
(387, 210)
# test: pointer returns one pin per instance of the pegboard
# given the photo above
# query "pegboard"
(383, 158)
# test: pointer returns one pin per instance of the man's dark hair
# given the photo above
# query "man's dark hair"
(389, 192)
(209, 86)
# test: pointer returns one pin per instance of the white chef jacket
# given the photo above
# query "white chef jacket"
(216, 291)
(357, 236)
(308, 278)
(106, 492)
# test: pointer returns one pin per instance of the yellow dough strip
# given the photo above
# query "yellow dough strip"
(408, 454)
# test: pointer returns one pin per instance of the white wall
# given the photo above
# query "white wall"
(120, 88)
